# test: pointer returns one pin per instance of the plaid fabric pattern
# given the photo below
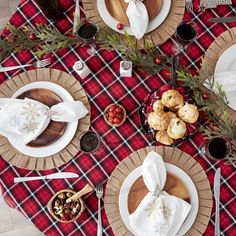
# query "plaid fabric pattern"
(105, 86)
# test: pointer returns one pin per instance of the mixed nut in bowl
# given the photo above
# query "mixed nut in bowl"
(63, 211)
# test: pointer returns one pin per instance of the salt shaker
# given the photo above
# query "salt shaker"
(126, 68)
(81, 68)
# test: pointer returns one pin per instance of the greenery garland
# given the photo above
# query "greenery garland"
(45, 39)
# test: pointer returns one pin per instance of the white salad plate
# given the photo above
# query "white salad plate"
(153, 24)
(69, 132)
(176, 171)
(225, 74)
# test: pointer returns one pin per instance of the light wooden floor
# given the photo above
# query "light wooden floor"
(12, 223)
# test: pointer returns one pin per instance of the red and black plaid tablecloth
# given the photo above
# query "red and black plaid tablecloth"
(103, 87)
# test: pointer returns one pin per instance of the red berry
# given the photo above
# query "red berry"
(47, 55)
(111, 114)
(32, 36)
(158, 61)
(112, 108)
(118, 109)
(120, 115)
(166, 73)
(120, 26)
(205, 96)
(181, 90)
(111, 120)
(117, 121)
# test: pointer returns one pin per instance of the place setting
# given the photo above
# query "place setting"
(112, 128)
(34, 141)
(144, 20)
(130, 196)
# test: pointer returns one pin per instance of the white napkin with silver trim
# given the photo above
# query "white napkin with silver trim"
(22, 121)
(158, 214)
(138, 17)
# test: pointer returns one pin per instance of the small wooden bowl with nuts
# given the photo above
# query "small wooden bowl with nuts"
(67, 205)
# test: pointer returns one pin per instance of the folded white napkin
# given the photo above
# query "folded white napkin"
(159, 213)
(138, 17)
(228, 81)
(22, 121)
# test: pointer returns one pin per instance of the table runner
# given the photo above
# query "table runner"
(103, 87)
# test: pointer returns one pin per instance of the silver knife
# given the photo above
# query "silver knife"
(223, 19)
(61, 175)
(217, 201)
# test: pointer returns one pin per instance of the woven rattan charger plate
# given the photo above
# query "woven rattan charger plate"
(213, 53)
(170, 155)
(159, 35)
(68, 82)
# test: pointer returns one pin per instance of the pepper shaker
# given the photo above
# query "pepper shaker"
(126, 68)
(81, 68)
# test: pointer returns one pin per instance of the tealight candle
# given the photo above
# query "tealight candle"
(126, 68)
(81, 68)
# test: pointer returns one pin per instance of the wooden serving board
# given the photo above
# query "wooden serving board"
(117, 9)
(174, 186)
(55, 129)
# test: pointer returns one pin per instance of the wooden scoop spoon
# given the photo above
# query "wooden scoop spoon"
(86, 189)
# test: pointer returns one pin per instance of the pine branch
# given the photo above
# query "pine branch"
(127, 46)
(216, 107)
(41, 40)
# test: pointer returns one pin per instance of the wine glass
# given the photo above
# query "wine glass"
(185, 33)
(87, 32)
(216, 148)
(90, 143)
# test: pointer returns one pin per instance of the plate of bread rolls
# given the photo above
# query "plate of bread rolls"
(169, 115)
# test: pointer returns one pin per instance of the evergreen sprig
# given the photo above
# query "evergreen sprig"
(41, 40)
(215, 107)
(145, 59)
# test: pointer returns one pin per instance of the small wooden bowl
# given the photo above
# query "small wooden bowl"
(50, 206)
(123, 120)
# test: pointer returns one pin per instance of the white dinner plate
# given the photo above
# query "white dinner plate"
(227, 61)
(226, 69)
(69, 132)
(153, 24)
(136, 173)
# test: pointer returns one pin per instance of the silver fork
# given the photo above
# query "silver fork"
(99, 193)
(189, 5)
(41, 63)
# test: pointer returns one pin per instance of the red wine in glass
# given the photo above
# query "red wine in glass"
(185, 33)
(87, 33)
(217, 148)
(90, 142)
